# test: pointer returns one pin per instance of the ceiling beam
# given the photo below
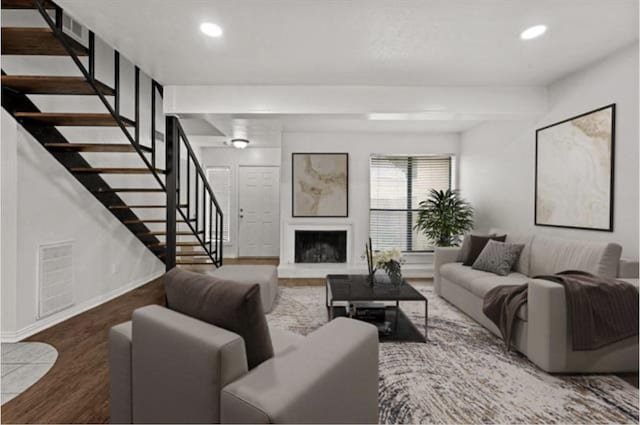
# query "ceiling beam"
(375, 102)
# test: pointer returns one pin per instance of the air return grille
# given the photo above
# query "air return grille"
(55, 283)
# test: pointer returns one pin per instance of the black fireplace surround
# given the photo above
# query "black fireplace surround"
(326, 246)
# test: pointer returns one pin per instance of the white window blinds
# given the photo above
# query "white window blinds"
(398, 184)
(220, 182)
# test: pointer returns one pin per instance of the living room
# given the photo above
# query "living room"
(445, 171)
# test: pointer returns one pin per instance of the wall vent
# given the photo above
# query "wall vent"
(73, 28)
(55, 282)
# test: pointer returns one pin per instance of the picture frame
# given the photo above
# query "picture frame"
(575, 170)
(319, 184)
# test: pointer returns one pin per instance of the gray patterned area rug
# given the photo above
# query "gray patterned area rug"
(462, 375)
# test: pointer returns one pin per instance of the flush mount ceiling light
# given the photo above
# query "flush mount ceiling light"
(211, 29)
(533, 32)
(239, 143)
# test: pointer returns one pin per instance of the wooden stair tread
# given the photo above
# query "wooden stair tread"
(37, 41)
(73, 119)
(25, 4)
(94, 147)
(29, 84)
(126, 207)
(180, 233)
(152, 220)
(192, 254)
(91, 170)
(129, 190)
(162, 244)
(195, 263)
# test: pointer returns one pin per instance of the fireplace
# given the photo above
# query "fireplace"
(320, 246)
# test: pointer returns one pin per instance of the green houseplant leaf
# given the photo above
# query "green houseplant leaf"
(444, 217)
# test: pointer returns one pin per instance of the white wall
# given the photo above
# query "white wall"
(497, 158)
(42, 203)
(360, 147)
(236, 158)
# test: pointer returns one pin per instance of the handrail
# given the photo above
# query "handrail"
(173, 143)
(176, 138)
(197, 164)
(56, 28)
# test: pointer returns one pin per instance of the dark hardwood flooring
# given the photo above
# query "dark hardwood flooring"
(76, 389)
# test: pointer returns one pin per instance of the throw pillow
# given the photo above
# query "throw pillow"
(463, 254)
(477, 245)
(230, 305)
(498, 257)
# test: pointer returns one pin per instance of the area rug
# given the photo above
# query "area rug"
(463, 375)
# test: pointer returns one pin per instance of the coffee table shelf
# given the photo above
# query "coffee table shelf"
(356, 288)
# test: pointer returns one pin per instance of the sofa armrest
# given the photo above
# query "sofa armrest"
(120, 374)
(442, 255)
(547, 325)
(628, 269)
(180, 365)
(331, 377)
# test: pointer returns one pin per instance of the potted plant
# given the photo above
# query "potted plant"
(444, 217)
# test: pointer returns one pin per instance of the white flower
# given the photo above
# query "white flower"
(385, 256)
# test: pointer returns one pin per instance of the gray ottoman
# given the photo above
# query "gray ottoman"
(265, 276)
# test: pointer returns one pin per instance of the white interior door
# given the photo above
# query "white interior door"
(259, 212)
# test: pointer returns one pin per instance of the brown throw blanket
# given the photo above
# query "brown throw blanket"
(600, 311)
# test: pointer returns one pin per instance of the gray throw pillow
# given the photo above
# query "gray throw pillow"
(498, 257)
(233, 306)
(477, 245)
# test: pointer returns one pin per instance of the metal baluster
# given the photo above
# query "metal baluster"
(116, 81)
(173, 189)
(137, 105)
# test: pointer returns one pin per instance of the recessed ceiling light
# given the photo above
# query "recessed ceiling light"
(533, 32)
(211, 29)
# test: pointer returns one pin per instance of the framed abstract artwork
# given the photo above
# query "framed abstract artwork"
(575, 170)
(320, 184)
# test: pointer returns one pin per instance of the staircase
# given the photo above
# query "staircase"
(145, 173)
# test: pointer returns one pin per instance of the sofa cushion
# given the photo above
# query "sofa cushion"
(481, 285)
(522, 265)
(462, 275)
(284, 341)
(479, 282)
(552, 255)
(233, 306)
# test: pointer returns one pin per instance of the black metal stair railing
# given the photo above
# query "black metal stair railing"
(200, 210)
(194, 199)
(89, 72)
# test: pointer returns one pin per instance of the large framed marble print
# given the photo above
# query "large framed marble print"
(574, 171)
(320, 184)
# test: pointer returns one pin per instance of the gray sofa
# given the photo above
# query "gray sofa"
(541, 331)
(166, 367)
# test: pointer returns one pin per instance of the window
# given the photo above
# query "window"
(220, 182)
(398, 184)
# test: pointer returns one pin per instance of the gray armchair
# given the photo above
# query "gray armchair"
(166, 367)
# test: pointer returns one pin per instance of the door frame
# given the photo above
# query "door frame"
(237, 196)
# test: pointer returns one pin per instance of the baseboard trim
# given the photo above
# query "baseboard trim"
(47, 322)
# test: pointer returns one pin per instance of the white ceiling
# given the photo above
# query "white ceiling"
(360, 43)
(374, 42)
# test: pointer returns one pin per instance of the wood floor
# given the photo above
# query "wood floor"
(76, 390)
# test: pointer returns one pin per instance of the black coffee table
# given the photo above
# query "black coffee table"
(356, 288)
